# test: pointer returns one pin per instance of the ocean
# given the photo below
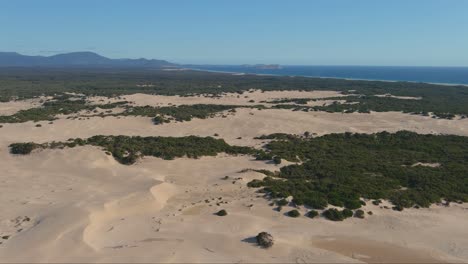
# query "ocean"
(442, 75)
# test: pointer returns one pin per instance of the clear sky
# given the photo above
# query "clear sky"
(307, 32)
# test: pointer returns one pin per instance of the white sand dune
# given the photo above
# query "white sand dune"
(226, 99)
(84, 206)
(80, 205)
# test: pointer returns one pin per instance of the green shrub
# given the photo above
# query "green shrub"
(262, 155)
(315, 202)
(294, 213)
(221, 213)
(22, 148)
(255, 183)
(352, 204)
(337, 215)
(347, 213)
(264, 240)
(157, 120)
(282, 202)
(359, 213)
(276, 160)
(333, 214)
(312, 214)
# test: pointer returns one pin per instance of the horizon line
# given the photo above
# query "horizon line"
(240, 64)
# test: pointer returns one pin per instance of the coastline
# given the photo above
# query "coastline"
(324, 77)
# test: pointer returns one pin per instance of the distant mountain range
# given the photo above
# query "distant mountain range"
(77, 59)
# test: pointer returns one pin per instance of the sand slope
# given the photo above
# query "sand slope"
(83, 206)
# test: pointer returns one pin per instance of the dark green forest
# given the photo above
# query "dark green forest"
(365, 104)
(339, 169)
(127, 150)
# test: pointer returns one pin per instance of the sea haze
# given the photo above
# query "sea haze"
(443, 75)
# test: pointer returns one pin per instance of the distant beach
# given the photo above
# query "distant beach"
(434, 75)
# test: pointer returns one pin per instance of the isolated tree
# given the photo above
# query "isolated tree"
(265, 240)
(221, 213)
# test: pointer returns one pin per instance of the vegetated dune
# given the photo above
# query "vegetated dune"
(80, 205)
(11, 107)
(84, 207)
(238, 129)
(225, 99)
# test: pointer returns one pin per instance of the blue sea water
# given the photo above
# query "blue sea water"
(443, 75)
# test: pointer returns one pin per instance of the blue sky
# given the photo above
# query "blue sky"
(308, 32)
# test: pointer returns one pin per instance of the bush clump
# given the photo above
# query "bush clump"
(264, 240)
(277, 160)
(294, 213)
(312, 214)
(221, 213)
(352, 204)
(359, 213)
(22, 148)
(282, 202)
(347, 213)
(337, 215)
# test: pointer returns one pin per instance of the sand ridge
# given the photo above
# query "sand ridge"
(12, 107)
(252, 97)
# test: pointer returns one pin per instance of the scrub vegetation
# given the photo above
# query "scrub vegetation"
(127, 150)
(340, 169)
(437, 107)
(443, 101)
(60, 105)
